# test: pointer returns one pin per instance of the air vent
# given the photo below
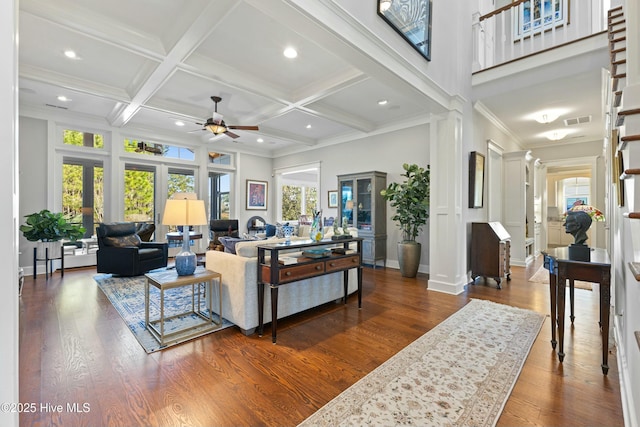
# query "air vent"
(56, 106)
(577, 120)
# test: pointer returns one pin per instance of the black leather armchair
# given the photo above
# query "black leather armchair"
(121, 252)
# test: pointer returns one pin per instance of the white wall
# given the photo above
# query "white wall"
(385, 153)
(33, 176)
(9, 210)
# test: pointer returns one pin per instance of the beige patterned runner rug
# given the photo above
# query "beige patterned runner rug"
(460, 373)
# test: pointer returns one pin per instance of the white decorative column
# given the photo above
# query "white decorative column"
(447, 233)
(9, 210)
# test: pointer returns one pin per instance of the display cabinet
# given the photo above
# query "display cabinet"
(361, 204)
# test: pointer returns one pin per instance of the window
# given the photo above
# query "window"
(219, 195)
(298, 191)
(576, 189)
(180, 181)
(219, 158)
(161, 150)
(82, 139)
(139, 193)
(534, 16)
(83, 192)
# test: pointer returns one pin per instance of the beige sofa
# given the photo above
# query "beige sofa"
(240, 287)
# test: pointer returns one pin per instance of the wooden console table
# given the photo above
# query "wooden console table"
(561, 268)
(276, 274)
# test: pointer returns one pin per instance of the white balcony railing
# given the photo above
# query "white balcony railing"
(526, 27)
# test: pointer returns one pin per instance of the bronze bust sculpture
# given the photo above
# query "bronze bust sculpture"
(577, 223)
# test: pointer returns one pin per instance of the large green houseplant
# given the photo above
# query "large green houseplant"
(410, 199)
(46, 226)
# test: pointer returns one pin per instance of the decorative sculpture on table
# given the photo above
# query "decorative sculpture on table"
(578, 220)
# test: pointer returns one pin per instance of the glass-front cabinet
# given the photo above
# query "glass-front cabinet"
(362, 207)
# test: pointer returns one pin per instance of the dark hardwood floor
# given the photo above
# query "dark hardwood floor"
(74, 348)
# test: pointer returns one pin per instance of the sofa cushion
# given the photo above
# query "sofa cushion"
(249, 248)
(122, 241)
(229, 243)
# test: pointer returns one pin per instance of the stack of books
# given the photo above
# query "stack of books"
(316, 253)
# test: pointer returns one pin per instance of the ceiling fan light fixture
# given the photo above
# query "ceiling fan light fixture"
(216, 128)
(556, 135)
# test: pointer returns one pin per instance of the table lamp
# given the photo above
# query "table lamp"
(184, 209)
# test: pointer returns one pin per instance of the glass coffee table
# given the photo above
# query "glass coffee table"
(181, 327)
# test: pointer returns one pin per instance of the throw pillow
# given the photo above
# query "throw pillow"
(270, 230)
(122, 241)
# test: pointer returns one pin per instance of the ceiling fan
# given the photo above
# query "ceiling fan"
(217, 126)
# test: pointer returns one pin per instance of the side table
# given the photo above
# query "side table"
(169, 279)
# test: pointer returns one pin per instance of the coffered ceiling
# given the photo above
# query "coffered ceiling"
(142, 65)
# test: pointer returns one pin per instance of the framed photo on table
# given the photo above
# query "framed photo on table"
(256, 195)
(333, 199)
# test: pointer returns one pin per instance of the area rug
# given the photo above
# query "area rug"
(127, 296)
(542, 276)
(460, 373)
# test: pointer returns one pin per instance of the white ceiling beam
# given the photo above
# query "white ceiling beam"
(204, 24)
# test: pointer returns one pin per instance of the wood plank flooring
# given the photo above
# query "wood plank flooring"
(75, 349)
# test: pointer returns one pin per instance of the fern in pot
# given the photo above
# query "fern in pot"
(410, 198)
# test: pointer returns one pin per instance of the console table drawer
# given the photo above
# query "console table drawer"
(342, 263)
(294, 272)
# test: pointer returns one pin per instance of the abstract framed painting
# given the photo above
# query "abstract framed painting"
(256, 195)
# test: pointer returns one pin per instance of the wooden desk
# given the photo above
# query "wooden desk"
(561, 268)
(275, 274)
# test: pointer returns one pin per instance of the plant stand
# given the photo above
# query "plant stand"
(48, 260)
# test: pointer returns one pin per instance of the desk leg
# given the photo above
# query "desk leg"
(346, 284)
(605, 300)
(562, 287)
(360, 287)
(571, 299)
(260, 308)
(553, 293)
(274, 313)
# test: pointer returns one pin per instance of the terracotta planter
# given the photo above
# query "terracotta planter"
(409, 258)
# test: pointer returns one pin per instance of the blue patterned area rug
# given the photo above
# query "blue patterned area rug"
(127, 296)
(460, 373)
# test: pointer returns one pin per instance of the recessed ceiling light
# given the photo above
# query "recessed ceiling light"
(382, 102)
(308, 126)
(290, 53)
(70, 54)
(260, 140)
(179, 123)
(63, 98)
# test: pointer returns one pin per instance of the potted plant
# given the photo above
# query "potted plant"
(410, 199)
(47, 227)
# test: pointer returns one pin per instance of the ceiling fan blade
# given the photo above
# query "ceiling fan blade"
(197, 130)
(243, 127)
(232, 135)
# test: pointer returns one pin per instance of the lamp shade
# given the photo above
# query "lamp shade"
(184, 212)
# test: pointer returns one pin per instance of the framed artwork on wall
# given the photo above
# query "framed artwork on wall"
(476, 179)
(411, 19)
(540, 15)
(333, 199)
(256, 195)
